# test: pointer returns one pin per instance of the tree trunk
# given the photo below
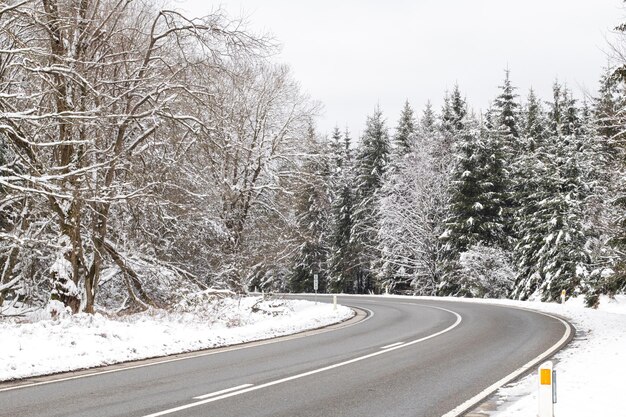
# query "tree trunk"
(133, 282)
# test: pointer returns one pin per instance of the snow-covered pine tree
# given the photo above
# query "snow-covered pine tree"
(336, 149)
(451, 121)
(506, 126)
(527, 171)
(454, 111)
(340, 221)
(608, 108)
(405, 131)
(563, 118)
(477, 191)
(428, 122)
(616, 281)
(534, 123)
(313, 211)
(507, 111)
(342, 274)
(600, 215)
(371, 165)
(610, 114)
(550, 254)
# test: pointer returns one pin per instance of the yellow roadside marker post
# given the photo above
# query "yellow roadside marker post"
(547, 389)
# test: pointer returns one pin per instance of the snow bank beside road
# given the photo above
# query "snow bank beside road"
(590, 369)
(41, 344)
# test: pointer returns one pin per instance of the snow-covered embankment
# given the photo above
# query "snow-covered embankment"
(590, 370)
(47, 342)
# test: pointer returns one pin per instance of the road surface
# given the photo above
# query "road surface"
(407, 357)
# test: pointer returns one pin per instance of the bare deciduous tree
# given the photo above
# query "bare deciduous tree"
(114, 109)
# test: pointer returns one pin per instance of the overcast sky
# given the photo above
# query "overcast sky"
(352, 54)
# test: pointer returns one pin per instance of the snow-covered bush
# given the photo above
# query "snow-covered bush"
(162, 284)
(485, 272)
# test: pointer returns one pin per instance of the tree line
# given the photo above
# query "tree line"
(524, 200)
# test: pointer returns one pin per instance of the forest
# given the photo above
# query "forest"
(145, 155)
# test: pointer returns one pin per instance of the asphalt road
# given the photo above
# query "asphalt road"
(408, 357)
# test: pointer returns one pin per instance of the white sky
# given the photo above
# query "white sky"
(352, 54)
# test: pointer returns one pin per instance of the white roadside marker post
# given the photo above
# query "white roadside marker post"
(563, 294)
(334, 302)
(316, 284)
(547, 389)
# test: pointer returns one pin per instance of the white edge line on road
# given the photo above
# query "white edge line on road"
(463, 408)
(189, 355)
(315, 371)
(224, 391)
(391, 345)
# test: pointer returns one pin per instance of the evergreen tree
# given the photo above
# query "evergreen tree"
(599, 214)
(507, 109)
(459, 108)
(555, 113)
(607, 109)
(405, 132)
(527, 169)
(551, 253)
(489, 119)
(432, 126)
(479, 178)
(609, 113)
(534, 123)
(371, 165)
(506, 127)
(478, 192)
(313, 213)
(336, 147)
(573, 122)
(347, 142)
(342, 250)
(452, 122)
(617, 282)
(454, 111)
(563, 115)
(428, 121)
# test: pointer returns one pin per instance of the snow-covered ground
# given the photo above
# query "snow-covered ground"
(591, 371)
(53, 341)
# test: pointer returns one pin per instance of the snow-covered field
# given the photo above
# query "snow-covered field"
(49, 342)
(591, 371)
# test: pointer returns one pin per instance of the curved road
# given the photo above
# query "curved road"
(407, 357)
